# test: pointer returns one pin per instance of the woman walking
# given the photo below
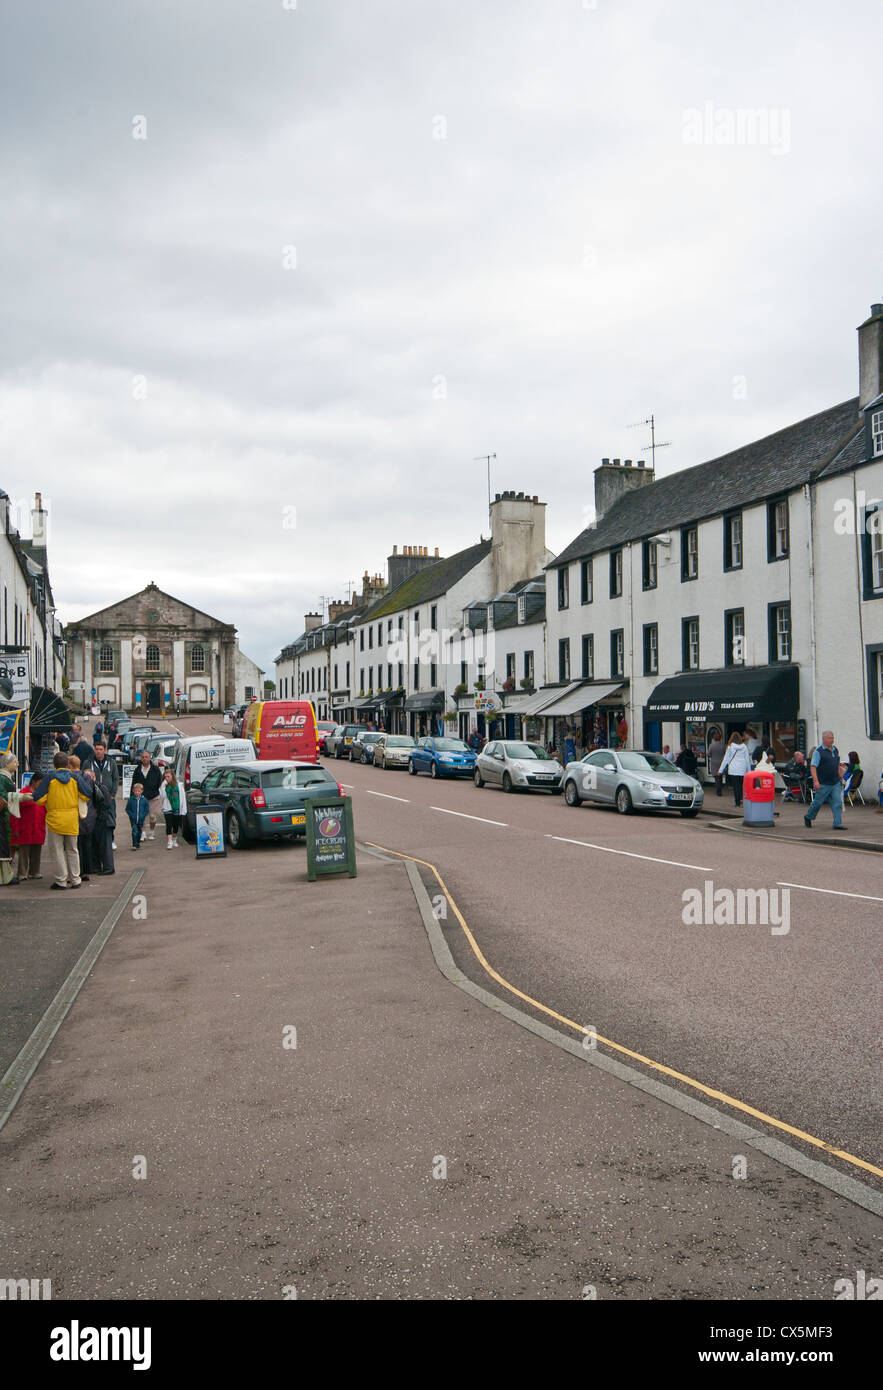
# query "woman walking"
(736, 763)
(8, 769)
(173, 806)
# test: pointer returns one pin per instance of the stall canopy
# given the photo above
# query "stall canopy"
(427, 700)
(48, 711)
(579, 699)
(527, 705)
(734, 693)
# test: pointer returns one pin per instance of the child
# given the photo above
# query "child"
(173, 807)
(137, 810)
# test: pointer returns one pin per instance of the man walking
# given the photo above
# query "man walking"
(78, 747)
(827, 782)
(106, 777)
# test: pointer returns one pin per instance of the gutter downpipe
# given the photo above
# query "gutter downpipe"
(807, 490)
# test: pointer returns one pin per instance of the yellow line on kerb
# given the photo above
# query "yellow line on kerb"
(627, 1051)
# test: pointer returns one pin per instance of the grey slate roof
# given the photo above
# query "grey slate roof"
(779, 463)
(428, 583)
(849, 457)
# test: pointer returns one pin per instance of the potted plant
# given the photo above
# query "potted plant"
(459, 690)
(451, 716)
(526, 683)
(509, 683)
(479, 684)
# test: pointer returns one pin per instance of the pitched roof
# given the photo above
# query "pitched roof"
(770, 466)
(850, 456)
(147, 592)
(428, 583)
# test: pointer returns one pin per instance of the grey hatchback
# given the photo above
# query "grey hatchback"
(632, 780)
(260, 800)
(517, 765)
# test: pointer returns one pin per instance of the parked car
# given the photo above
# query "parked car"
(344, 739)
(362, 748)
(393, 750)
(632, 780)
(195, 757)
(517, 765)
(162, 749)
(134, 739)
(261, 799)
(323, 728)
(238, 719)
(332, 740)
(441, 757)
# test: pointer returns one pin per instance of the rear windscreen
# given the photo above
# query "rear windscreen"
(295, 777)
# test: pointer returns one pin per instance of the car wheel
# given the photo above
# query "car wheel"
(689, 814)
(623, 801)
(433, 770)
(507, 783)
(477, 778)
(411, 768)
(235, 832)
(364, 758)
(571, 795)
(188, 834)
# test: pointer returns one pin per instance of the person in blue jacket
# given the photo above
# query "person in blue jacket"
(137, 809)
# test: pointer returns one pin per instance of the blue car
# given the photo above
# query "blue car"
(441, 757)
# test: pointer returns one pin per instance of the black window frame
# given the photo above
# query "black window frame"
(874, 509)
(587, 655)
(616, 632)
(614, 592)
(586, 581)
(685, 643)
(730, 517)
(564, 658)
(773, 631)
(649, 668)
(645, 565)
(686, 532)
(873, 654)
(729, 614)
(771, 506)
(563, 587)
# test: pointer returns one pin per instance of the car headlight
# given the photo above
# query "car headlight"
(648, 786)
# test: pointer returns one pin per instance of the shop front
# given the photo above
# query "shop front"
(424, 712)
(585, 716)
(703, 708)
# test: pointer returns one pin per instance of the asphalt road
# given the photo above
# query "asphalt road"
(582, 909)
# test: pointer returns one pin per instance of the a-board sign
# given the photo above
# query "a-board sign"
(331, 842)
(209, 824)
(128, 774)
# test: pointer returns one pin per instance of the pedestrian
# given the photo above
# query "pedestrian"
(173, 806)
(750, 740)
(147, 775)
(667, 753)
(795, 774)
(78, 746)
(88, 817)
(736, 763)
(61, 740)
(827, 781)
(715, 758)
(28, 835)
(97, 732)
(107, 778)
(61, 791)
(137, 810)
(8, 769)
(763, 750)
(686, 761)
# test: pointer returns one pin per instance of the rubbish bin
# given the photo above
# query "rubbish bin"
(759, 798)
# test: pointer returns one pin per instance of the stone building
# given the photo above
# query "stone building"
(153, 650)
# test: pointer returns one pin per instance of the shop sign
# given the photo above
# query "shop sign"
(209, 823)
(16, 669)
(331, 844)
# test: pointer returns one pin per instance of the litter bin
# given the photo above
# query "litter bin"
(759, 798)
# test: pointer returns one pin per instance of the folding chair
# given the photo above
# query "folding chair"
(853, 788)
(796, 789)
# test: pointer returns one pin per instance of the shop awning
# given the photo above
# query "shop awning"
(367, 702)
(388, 700)
(579, 699)
(734, 693)
(426, 700)
(532, 704)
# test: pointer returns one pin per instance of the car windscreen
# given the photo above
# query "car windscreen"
(451, 745)
(646, 762)
(526, 750)
(288, 777)
(401, 741)
(370, 738)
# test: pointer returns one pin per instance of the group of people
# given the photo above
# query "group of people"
(825, 774)
(72, 810)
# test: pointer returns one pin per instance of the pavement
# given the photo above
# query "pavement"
(863, 825)
(406, 1140)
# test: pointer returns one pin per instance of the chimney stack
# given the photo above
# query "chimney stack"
(870, 357)
(612, 481)
(312, 621)
(518, 539)
(39, 524)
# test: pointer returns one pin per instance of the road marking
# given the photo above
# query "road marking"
(484, 820)
(866, 897)
(721, 1096)
(629, 855)
(386, 796)
(348, 785)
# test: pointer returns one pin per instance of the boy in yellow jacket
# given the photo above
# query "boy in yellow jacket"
(61, 792)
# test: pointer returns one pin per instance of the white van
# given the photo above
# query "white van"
(195, 757)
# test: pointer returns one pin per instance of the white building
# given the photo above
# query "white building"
(248, 679)
(724, 596)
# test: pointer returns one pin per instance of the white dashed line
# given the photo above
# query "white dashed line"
(348, 785)
(386, 796)
(484, 820)
(866, 897)
(675, 863)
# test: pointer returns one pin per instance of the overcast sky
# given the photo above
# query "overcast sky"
(364, 241)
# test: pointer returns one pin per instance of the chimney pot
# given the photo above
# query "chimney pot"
(395, 550)
(604, 462)
(627, 464)
(876, 309)
(436, 552)
(616, 463)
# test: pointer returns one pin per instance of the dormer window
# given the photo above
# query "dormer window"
(877, 433)
(522, 607)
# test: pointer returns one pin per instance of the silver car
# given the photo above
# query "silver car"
(391, 750)
(517, 765)
(632, 780)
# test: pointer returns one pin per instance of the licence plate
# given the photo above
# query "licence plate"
(676, 796)
(299, 820)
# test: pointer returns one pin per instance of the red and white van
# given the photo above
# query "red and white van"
(283, 729)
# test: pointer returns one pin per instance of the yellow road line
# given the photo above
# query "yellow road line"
(627, 1051)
